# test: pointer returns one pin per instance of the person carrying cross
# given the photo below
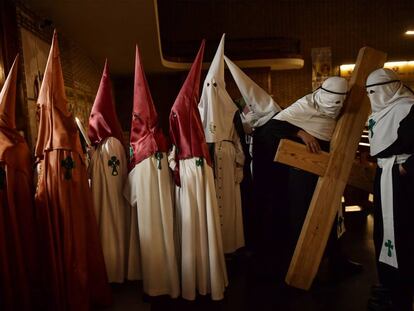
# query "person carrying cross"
(391, 127)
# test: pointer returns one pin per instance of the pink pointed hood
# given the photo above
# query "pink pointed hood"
(186, 129)
(8, 97)
(57, 128)
(103, 121)
(147, 137)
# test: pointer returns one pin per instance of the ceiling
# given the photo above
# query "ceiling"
(105, 30)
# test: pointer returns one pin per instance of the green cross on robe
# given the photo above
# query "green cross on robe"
(389, 245)
(199, 162)
(68, 164)
(159, 156)
(371, 124)
(114, 163)
(2, 178)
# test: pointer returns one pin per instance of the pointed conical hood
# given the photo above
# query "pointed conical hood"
(103, 122)
(216, 69)
(216, 107)
(258, 101)
(186, 129)
(57, 128)
(147, 137)
(8, 97)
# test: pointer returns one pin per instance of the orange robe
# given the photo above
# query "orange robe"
(74, 267)
(18, 264)
(72, 259)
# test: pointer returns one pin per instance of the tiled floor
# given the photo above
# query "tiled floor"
(246, 292)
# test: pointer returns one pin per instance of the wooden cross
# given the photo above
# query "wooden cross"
(334, 169)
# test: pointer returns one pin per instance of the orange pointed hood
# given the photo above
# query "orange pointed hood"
(186, 129)
(147, 137)
(8, 97)
(57, 128)
(103, 121)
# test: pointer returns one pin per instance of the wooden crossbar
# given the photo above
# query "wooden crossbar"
(296, 154)
(329, 189)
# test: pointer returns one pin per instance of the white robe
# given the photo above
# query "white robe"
(149, 190)
(228, 169)
(203, 267)
(111, 209)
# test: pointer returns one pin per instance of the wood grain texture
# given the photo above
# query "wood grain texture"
(327, 196)
(295, 154)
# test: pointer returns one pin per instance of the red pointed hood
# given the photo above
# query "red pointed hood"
(103, 121)
(147, 137)
(8, 97)
(186, 129)
(57, 128)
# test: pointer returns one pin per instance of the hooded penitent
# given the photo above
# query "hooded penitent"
(316, 113)
(73, 266)
(103, 122)
(261, 106)
(108, 172)
(390, 135)
(149, 191)
(186, 131)
(216, 107)
(147, 137)
(18, 264)
(217, 112)
(202, 263)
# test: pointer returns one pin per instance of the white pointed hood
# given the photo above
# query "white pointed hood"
(216, 107)
(261, 105)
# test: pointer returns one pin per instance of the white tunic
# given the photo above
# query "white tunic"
(228, 169)
(149, 190)
(108, 171)
(203, 267)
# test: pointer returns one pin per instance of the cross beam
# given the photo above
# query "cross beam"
(334, 168)
(296, 154)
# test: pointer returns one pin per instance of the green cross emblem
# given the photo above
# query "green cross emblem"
(389, 245)
(2, 178)
(371, 124)
(159, 156)
(114, 162)
(68, 164)
(199, 162)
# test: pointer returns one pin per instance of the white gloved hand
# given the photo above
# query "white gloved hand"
(171, 158)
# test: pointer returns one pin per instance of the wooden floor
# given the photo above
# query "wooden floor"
(248, 292)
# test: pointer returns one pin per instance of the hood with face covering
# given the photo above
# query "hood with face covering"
(216, 107)
(384, 88)
(391, 102)
(316, 113)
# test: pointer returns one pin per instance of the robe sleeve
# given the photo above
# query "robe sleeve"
(173, 153)
(239, 157)
(404, 142)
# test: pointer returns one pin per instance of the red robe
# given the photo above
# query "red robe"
(72, 260)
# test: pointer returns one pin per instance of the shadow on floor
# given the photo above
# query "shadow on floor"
(249, 292)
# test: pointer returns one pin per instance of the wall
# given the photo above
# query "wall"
(81, 74)
(345, 26)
